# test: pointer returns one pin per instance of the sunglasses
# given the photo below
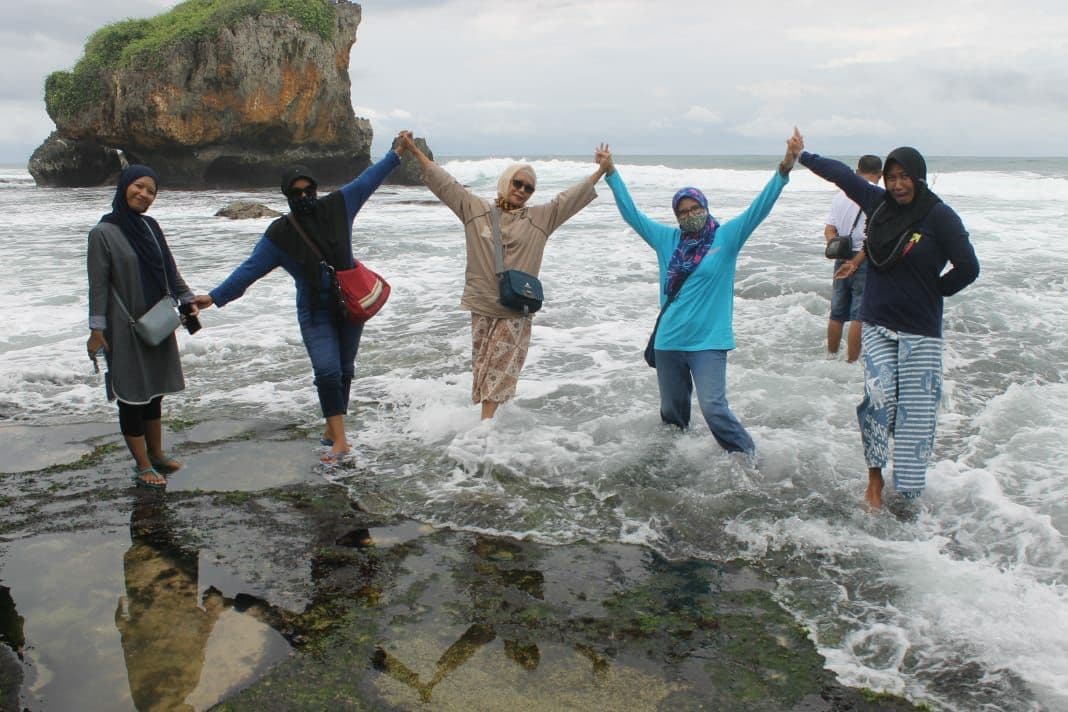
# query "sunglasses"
(691, 211)
(523, 186)
(299, 192)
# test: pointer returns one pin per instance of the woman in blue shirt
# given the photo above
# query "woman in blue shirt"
(697, 259)
(329, 336)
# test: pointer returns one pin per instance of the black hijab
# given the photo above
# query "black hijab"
(145, 236)
(326, 225)
(890, 224)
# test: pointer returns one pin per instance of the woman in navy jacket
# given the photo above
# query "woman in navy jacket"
(911, 236)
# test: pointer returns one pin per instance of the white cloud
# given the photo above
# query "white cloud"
(26, 125)
(866, 56)
(765, 127)
(521, 127)
(849, 126)
(701, 115)
(373, 114)
(500, 105)
(780, 89)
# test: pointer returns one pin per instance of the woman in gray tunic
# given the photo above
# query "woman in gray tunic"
(130, 269)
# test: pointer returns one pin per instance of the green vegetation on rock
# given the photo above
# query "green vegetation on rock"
(129, 42)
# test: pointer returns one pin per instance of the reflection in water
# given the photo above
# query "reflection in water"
(456, 655)
(499, 572)
(11, 635)
(11, 623)
(164, 627)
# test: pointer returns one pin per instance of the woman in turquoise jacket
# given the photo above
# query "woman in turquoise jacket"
(697, 259)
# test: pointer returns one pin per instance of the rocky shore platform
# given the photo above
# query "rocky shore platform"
(255, 583)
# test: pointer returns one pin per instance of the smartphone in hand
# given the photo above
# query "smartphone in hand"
(192, 323)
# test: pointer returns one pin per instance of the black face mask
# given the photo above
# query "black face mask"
(304, 204)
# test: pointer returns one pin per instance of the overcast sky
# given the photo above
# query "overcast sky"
(534, 77)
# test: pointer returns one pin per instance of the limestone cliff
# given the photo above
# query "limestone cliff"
(229, 102)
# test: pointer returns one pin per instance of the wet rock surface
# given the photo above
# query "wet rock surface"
(66, 163)
(245, 210)
(255, 584)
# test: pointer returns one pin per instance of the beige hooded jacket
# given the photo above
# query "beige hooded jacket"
(524, 233)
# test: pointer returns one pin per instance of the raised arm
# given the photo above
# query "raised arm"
(794, 146)
(564, 206)
(447, 189)
(408, 142)
(759, 208)
(647, 228)
(859, 190)
(357, 192)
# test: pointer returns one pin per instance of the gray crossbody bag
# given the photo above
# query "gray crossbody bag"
(159, 322)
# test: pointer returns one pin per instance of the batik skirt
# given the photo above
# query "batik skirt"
(498, 351)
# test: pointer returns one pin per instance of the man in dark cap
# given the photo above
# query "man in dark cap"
(912, 237)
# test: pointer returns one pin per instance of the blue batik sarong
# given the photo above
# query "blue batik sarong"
(902, 388)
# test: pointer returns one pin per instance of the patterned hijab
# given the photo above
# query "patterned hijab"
(693, 246)
(145, 236)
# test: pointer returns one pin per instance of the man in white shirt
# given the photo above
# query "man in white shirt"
(845, 219)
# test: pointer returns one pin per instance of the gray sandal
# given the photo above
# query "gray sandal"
(139, 478)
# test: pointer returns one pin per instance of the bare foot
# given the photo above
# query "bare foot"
(337, 454)
(874, 495)
(489, 408)
(164, 463)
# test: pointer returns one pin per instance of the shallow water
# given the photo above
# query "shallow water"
(961, 601)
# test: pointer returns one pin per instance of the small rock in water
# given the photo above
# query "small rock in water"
(245, 210)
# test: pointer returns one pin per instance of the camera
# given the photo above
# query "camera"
(192, 323)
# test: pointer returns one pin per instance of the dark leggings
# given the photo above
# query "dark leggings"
(132, 417)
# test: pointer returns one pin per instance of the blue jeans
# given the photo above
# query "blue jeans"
(677, 372)
(332, 346)
(846, 293)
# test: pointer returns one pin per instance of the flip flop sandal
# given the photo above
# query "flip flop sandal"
(335, 458)
(139, 478)
(166, 464)
(326, 442)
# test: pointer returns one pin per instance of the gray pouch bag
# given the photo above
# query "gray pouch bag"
(157, 323)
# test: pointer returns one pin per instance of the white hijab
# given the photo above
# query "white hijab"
(504, 183)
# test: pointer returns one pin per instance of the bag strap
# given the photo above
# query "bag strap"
(122, 305)
(498, 247)
(163, 261)
(855, 221)
(307, 240)
(670, 299)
